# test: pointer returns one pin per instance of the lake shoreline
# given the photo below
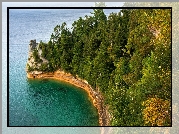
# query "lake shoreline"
(94, 95)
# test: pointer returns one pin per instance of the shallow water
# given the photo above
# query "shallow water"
(51, 103)
(37, 102)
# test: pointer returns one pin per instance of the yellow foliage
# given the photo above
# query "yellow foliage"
(156, 111)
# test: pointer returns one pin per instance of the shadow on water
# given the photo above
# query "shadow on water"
(44, 81)
(37, 81)
(43, 87)
(62, 89)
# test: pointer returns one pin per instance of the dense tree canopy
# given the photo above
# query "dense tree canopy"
(127, 55)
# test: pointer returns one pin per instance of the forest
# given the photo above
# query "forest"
(126, 55)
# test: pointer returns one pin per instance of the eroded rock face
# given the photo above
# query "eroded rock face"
(95, 95)
(32, 65)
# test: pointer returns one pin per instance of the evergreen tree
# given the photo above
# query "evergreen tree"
(127, 56)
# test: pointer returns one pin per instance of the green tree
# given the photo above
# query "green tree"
(127, 56)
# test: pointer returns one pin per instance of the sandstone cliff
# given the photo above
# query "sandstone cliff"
(31, 63)
(34, 72)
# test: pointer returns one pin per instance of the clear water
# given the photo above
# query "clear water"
(37, 102)
(50, 103)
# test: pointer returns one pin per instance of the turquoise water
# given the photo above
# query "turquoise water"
(42, 102)
(45, 102)
(37, 102)
(51, 103)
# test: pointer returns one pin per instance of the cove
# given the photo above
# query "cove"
(54, 103)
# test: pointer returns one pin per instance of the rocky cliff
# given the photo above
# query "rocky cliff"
(33, 71)
(32, 64)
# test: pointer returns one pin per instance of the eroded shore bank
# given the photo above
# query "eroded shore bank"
(95, 96)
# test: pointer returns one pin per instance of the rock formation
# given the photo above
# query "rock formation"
(32, 65)
(33, 71)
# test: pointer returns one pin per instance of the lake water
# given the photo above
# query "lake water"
(37, 102)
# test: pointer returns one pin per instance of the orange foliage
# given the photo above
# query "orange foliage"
(156, 112)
